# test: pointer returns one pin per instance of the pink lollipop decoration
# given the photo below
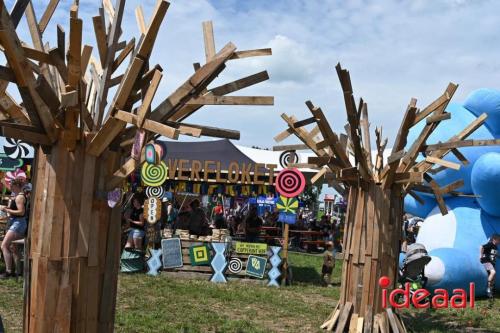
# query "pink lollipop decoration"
(11, 175)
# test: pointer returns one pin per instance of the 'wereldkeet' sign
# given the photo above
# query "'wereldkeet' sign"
(251, 248)
(244, 173)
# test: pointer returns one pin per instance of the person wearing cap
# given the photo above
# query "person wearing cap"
(16, 227)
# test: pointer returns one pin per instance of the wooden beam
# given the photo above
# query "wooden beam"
(240, 84)
(290, 147)
(451, 187)
(393, 158)
(100, 36)
(148, 98)
(206, 130)
(318, 175)
(438, 117)
(416, 197)
(85, 58)
(439, 102)
(17, 11)
(123, 54)
(459, 156)
(7, 74)
(437, 193)
(74, 52)
(208, 39)
(47, 15)
(149, 125)
(408, 177)
(283, 135)
(25, 135)
(251, 53)
(232, 100)
(139, 16)
(61, 41)
(448, 164)
(304, 122)
(460, 143)
(38, 55)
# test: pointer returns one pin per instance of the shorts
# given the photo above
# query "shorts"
(488, 266)
(18, 225)
(326, 270)
(136, 233)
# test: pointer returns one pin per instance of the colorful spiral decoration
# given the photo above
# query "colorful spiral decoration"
(150, 152)
(235, 265)
(16, 148)
(154, 174)
(288, 157)
(290, 182)
(155, 191)
(287, 205)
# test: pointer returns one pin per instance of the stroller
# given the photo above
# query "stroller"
(412, 270)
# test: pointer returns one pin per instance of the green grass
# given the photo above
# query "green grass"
(166, 304)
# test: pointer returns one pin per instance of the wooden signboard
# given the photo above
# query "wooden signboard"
(172, 253)
(251, 248)
(152, 210)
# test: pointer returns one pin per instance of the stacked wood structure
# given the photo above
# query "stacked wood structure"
(83, 141)
(375, 194)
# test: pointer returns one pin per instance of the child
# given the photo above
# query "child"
(489, 252)
(328, 264)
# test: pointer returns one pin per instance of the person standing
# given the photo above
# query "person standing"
(198, 223)
(328, 264)
(17, 226)
(488, 256)
(137, 225)
(252, 225)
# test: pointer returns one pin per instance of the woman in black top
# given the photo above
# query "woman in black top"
(137, 225)
(16, 227)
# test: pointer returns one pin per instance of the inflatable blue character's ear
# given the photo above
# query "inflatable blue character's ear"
(453, 240)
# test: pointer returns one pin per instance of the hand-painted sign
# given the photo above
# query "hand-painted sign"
(171, 253)
(251, 248)
(199, 255)
(9, 164)
(256, 266)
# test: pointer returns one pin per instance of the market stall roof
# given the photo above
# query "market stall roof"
(225, 152)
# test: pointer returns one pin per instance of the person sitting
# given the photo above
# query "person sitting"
(252, 225)
(488, 256)
(198, 224)
(16, 226)
(328, 264)
(137, 226)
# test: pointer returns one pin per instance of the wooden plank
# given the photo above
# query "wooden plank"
(448, 164)
(451, 187)
(368, 320)
(344, 317)
(61, 41)
(416, 197)
(25, 135)
(7, 74)
(438, 117)
(112, 40)
(460, 143)
(283, 135)
(100, 35)
(408, 177)
(304, 122)
(439, 102)
(437, 193)
(206, 130)
(85, 58)
(146, 45)
(290, 147)
(17, 11)
(460, 156)
(395, 157)
(74, 52)
(38, 55)
(47, 15)
(123, 54)
(232, 100)
(149, 125)
(139, 16)
(69, 99)
(365, 134)
(240, 84)
(110, 10)
(148, 98)
(208, 39)
(318, 175)
(14, 110)
(251, 53)
(392, 321)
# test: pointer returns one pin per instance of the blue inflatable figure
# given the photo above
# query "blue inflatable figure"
(453, 240)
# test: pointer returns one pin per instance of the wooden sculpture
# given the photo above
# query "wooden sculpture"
(375, 195)
(83, 141)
